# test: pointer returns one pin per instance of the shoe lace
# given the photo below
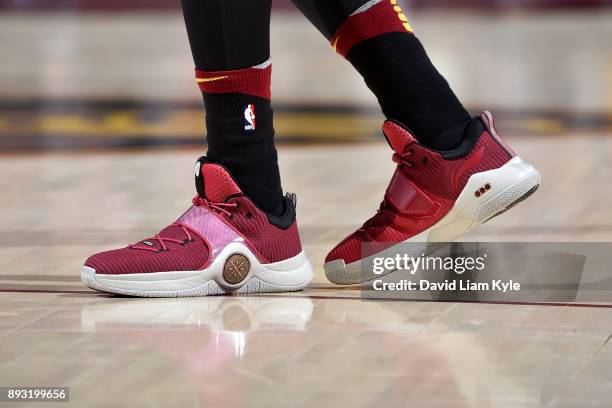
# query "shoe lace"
(218, 207)
(197, 201)
(384, 206)
(162, 241)
(403, 160)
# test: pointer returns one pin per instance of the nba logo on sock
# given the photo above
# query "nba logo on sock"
(249, 117)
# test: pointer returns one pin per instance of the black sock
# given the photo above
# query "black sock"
(410, 89)
(249, 155)
(378, 41)
(229, 41)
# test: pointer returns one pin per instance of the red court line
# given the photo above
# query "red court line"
(331, 297)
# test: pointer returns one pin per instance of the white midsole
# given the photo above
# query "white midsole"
(507, 185)
(290, 274)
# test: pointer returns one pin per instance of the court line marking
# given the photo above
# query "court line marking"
(332, 297)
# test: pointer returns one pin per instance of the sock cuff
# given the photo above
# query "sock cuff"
(374, 18)
(255, 81)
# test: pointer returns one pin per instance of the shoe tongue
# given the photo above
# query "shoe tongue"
(397, 136)
(214, 182)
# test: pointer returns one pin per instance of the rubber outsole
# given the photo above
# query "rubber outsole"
(520, 200)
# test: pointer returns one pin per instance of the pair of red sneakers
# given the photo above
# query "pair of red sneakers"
(225, 244)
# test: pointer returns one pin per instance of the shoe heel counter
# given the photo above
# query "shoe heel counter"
(293, 237)
(489, 122)
(293, 230)
(284, 241)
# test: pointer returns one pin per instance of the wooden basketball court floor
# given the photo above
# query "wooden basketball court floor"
(323, 346)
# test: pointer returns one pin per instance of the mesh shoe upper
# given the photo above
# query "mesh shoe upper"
(189, 256)
(187, 244)
(423, 189)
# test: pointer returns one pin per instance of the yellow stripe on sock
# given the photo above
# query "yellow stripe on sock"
(401, 16)
(200, 80)
(335, 43)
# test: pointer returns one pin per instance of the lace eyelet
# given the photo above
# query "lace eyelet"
(424, 160)
(249, 215)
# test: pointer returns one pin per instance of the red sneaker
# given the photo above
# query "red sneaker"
(435, 196)
(222, 244)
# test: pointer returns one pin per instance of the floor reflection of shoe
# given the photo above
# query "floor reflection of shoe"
(220, 314)
(435, 196)
(222, 244)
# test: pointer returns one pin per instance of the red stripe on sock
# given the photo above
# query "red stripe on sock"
(382, 18)
(248, 81)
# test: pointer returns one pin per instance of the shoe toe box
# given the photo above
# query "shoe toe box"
(189, 257)
(349, 250)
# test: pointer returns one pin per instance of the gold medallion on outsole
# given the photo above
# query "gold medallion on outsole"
(236, 269)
